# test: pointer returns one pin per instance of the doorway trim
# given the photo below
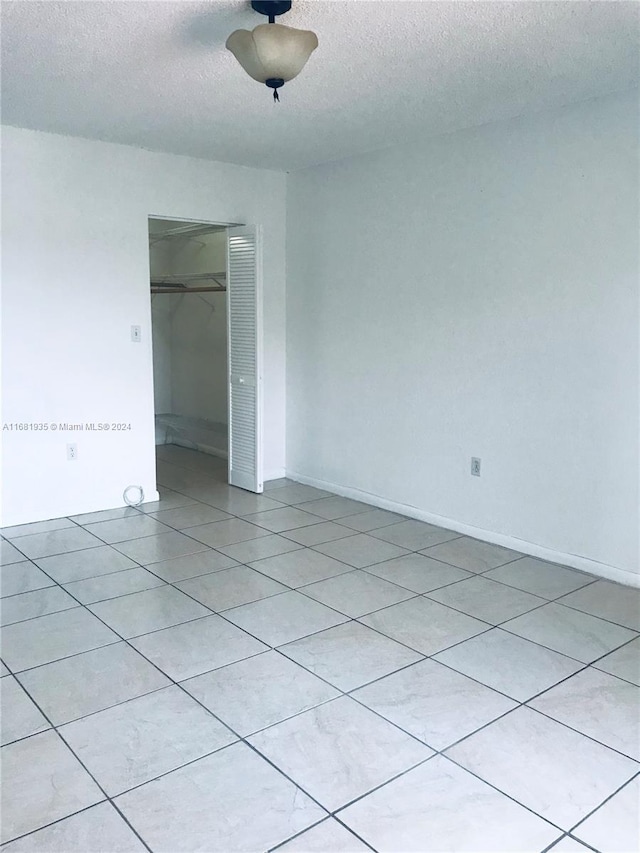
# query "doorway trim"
(259, 339)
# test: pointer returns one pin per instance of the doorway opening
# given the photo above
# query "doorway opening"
(206, 311)
(188, 265)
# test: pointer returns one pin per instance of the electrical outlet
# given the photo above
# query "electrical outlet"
(475, 466)
(136, 334)
(72, 452)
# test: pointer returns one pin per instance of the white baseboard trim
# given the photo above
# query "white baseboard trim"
(583, 564)
(276, 474)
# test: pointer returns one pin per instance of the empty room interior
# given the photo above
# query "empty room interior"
(320, 426)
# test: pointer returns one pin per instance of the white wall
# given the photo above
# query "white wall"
(477, 295)
(75, 278)
(199, 376)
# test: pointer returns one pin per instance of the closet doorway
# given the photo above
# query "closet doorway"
(207, 339)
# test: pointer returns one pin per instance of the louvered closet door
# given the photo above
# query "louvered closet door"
(244, 294)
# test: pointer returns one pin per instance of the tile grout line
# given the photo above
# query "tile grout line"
(348, 619)
(415, 551)
(348, 693)
(252, 567)
(126, 640)
(330, 496)
(329, 817)
(419, 550)
(178, 684)
(603, 803)
(194, 699)
(410, 551)
(66, 817)
(54, 729)
(353, 568)
(439, 752)
(343, 693)
(355, 619)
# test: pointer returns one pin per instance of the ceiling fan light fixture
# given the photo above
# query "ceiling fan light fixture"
(272, 53)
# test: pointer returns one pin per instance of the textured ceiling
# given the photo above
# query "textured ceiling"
(157, 74)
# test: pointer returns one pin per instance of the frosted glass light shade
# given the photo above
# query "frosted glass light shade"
(272, 51)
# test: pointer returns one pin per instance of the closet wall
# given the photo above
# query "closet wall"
(190, 334)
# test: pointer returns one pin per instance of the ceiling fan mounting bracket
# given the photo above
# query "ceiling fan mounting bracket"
(271, 8)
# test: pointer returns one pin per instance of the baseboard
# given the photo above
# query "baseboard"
(276, 474)
(574, 561)
(203, 448)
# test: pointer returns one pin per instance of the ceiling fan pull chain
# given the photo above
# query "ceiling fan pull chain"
(276, 97)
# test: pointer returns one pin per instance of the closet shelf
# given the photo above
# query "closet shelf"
(187, 231)
(189, 283)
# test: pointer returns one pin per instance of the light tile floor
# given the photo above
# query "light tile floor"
(221, 671)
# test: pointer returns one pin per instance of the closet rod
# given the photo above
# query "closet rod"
(188, 290)
(190, 276)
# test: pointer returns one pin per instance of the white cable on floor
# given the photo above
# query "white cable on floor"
(128, 500)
